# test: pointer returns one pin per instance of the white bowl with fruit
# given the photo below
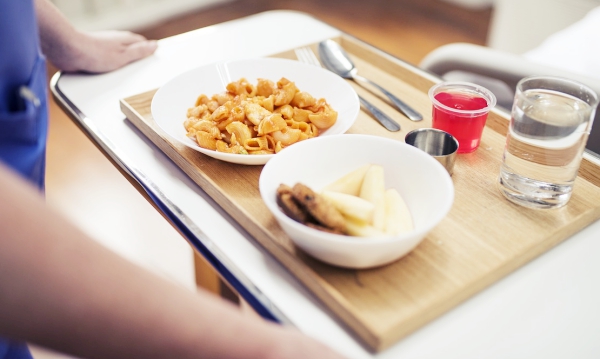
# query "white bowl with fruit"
(386, 197)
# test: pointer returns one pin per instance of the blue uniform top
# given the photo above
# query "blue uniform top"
(23, 108)
(23, 95)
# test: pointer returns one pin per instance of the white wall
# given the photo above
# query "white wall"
(126, 14)
(518, 26)
(472, 4)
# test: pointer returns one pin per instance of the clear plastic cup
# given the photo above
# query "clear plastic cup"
(461, 109)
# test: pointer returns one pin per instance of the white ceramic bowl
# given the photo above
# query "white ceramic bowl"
(171, 101)
(422, 182)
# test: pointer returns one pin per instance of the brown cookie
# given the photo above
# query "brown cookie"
(323, 212)
(289, 206)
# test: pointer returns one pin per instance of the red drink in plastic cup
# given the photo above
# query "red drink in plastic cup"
(461, 109)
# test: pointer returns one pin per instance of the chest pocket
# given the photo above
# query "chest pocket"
(24, 126)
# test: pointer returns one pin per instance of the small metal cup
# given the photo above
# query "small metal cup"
(439, 144)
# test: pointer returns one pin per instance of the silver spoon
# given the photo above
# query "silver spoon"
(306, 55)
(337, 60)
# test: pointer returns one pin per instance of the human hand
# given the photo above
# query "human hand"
(101, 51)
(72, 50)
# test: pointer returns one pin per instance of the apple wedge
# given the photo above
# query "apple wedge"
(362, 229)
(351, 206)
(349, 183)
(373, 190)
(397, 216)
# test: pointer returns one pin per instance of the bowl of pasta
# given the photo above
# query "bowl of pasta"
(356, 201)
(246, 111)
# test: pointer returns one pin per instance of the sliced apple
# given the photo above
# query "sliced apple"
(351, 206)
(373, 190)
(362, 229)
(350, 183)
(397, 216)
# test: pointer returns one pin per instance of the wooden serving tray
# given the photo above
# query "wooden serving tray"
(483, 238)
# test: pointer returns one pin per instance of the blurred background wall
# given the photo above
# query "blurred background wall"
(126, 14)
(515, 26)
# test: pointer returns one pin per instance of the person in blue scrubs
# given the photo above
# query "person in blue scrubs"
(23, 116)
(59, 288)
(23, 105)
(23, 73)
(23, 122)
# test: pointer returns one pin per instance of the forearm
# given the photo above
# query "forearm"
(70, 49)
(62, 290)
(58, 37)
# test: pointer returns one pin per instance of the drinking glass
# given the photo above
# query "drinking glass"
(461, 109)
(551, 120)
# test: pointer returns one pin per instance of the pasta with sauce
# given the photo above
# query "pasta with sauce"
(257, 119)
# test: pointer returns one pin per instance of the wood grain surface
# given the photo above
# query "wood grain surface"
(483, 238)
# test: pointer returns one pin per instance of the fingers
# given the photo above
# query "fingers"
(140, 49)
(120, 36)
(126, 37)
(105, 51)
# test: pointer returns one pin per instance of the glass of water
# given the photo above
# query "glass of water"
(551, 120)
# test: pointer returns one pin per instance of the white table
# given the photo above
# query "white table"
(550, 308)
